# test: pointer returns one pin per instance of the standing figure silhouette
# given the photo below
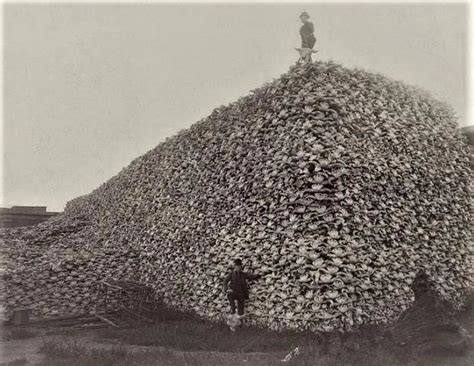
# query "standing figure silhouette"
(308, 40)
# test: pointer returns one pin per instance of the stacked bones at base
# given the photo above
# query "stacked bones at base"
(339, 184)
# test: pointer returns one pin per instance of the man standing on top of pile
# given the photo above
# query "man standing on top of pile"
(308, 39)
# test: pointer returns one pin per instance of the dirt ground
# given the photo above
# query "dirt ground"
(177, 338)
(28, 349)
(18, 349)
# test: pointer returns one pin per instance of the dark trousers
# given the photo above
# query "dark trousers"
(240, 303)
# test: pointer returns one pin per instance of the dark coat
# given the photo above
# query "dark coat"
(238, 283)
(307, 35)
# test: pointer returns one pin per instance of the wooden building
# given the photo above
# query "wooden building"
(24, 215)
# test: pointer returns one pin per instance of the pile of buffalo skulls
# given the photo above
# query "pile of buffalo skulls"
(337, 186)
(56, 273)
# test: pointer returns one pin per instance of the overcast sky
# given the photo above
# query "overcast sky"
(89, 87)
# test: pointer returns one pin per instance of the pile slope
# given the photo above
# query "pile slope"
(337, 185)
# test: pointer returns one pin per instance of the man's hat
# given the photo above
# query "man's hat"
(304, 14)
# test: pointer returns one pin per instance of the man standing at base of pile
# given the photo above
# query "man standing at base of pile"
(308, 39)
(235, 285)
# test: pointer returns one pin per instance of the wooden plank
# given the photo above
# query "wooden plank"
(70, 324)
(57, 318)
(146, 318)
(116, 287)
(106, 320)
(90, 327)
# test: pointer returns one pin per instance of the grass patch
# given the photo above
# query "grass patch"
(365, 347)
(18, 333)
(17, 362)
(214, 345)
(335, 353)
(201, 336)
(166, 313)
(185, 331)
(72, 353)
